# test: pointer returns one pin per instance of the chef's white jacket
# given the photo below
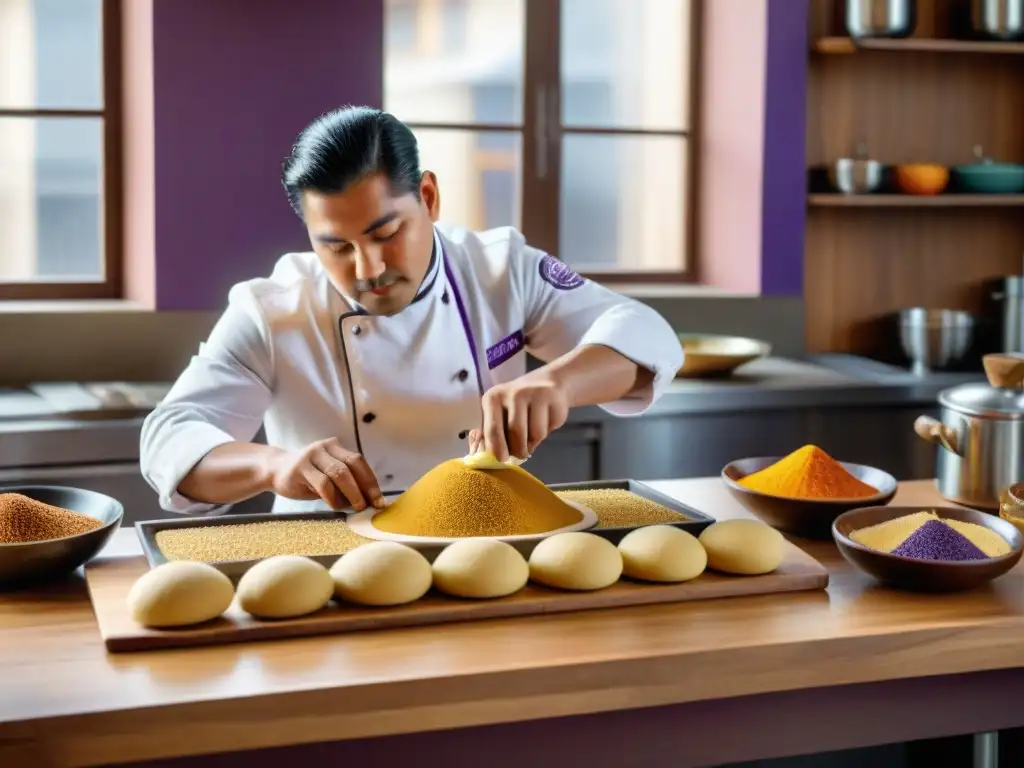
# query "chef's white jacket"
(295, 354)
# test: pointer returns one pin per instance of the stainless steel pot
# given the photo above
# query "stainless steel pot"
(881, 18)
(999, 19)
(980, 435)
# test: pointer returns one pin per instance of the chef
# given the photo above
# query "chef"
(393, 345)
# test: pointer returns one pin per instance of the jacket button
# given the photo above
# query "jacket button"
(356, 330)
(388, 478)
(463, 374)
(463, 434)
(368, 417)
(444, 298)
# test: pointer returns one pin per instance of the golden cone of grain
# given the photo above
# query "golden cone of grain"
(455, 501)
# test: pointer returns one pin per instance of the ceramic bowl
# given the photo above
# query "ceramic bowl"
(706, 356)
(921, 178)
(990, 178)
(925, 575)
(30, 563)
(810, 518)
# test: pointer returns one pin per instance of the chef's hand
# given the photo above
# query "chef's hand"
(528, 409)
(327, 471)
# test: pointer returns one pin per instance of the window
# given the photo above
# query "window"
(59, 176)
(569, 119)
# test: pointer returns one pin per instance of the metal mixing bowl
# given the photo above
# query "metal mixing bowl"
(855, 177)
(934, 339)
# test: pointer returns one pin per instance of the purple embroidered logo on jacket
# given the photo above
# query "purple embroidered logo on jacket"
(559, 274)
(505, 349)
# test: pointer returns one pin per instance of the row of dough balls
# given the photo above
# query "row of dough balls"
(384, 573)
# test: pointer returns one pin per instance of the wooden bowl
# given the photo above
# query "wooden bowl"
(706, 356)
(810, 518)
(921, 178)
(34, 562)
(925, 575)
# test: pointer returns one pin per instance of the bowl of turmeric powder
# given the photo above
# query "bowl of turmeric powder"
(804, 492)
(48, 531)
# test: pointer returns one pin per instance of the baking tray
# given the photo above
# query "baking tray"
(694, 523)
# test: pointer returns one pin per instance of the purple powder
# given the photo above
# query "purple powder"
(937, 541)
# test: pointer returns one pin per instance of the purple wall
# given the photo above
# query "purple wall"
(784, 204)
(234, 83)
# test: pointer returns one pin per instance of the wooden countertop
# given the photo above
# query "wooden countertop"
(65, 701)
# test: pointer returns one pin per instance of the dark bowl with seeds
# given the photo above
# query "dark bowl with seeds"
(47, 531)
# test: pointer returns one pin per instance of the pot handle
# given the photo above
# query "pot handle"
(937, 433)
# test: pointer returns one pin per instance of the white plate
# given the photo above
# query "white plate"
(361, 523)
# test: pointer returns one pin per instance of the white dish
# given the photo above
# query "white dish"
(361, 523)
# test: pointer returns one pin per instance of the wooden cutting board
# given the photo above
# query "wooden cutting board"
(109, 581)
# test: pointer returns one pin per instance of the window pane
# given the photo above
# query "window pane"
(623, 203)
(625, 63)
(478, 173)
(51, 176)
(51, 54)
(453, 61)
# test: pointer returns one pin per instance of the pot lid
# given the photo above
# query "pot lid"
(980, 399)
(1001, 398)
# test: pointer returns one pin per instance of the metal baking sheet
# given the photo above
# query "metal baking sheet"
(694, 521)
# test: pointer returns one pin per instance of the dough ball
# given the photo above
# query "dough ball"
(481, 568)
(576, 561)
(662, 553)
(284, 586)
(745, 547)
(381, 573)
(180, 593)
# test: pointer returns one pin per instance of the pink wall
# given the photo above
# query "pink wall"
(731, 163)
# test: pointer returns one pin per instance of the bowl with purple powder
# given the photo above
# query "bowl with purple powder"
(930, 549)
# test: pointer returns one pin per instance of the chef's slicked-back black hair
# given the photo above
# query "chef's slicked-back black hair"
(346, 145)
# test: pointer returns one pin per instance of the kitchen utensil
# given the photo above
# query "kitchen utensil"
(980, 435)
(856, 175)
(921, 178)
(34, 562)
(1006, 300)
(811, 518)
(110, 580)
(934, 339)
(880, 18)
(989, 177)
(710, 355)
(925, 575)
(998, 19)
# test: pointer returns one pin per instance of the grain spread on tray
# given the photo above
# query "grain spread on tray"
(24, 520)
(619, 508)
(456, 501)
(253, 541)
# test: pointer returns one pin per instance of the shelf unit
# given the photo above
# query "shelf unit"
(928, 98)
(832, 200)
(846, 45)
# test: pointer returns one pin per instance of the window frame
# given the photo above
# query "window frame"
(542, 134)
(110, 287)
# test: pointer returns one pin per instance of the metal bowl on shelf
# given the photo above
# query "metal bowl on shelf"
(881, 18)
(935, 339)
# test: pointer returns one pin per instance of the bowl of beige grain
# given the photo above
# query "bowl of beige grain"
(48, 531)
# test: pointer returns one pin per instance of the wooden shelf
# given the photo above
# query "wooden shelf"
(846, 45)
(834, 200)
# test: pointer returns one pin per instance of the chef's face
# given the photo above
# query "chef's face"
(375, 246)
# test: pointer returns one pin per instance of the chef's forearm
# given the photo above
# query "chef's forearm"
(593, 374)
(230, 473)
